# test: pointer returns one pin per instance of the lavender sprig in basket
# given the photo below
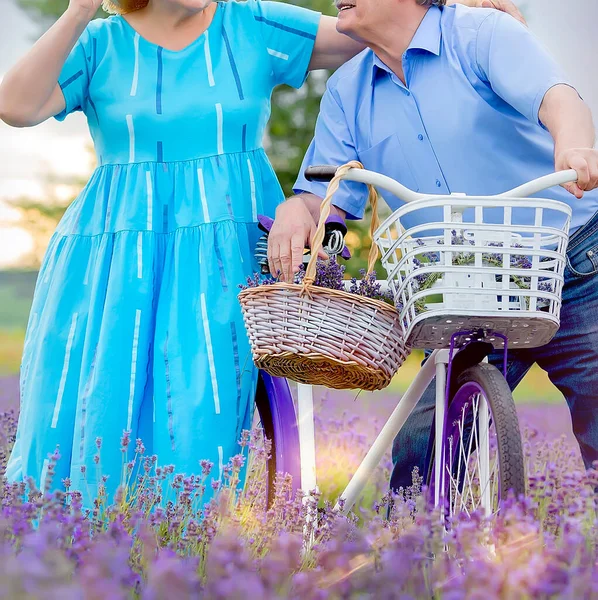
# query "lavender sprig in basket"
(330, 274)
(426, 281)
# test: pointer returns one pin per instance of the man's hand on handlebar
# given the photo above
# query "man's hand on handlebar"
(585, 162)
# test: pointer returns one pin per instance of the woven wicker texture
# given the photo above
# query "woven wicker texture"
(320, 336)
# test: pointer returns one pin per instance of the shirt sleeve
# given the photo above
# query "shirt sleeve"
(515, 64)
(75, 75)
(289, 33)
(333, 145)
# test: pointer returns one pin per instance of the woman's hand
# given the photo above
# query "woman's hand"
(503, 5)
(86, 8)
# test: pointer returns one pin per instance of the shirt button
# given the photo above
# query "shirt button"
(420, 137)
(438, 183)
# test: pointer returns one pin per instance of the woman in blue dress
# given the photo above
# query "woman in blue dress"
(135, 324)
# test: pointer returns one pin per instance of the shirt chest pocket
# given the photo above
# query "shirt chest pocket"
(388, 158)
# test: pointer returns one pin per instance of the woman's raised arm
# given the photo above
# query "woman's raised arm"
(332, 48)
(29, 92)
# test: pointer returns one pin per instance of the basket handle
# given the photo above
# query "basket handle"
(316, 246)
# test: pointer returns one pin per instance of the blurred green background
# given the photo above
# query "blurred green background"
(290, 130)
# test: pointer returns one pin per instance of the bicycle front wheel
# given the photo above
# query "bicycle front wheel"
(482, 449)
(278, 420)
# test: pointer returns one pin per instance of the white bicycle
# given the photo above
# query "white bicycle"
(485, 274)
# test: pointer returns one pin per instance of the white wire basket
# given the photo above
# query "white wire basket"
(474, 269)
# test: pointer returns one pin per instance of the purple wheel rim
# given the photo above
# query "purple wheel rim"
(284, 428)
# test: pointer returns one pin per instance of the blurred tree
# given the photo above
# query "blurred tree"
(290, 130)
(40, 217)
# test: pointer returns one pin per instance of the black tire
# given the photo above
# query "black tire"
(509, 452)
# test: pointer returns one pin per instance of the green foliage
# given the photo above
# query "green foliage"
(47, 11)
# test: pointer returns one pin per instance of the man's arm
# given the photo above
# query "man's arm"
(537, 88)
(569, 120)
(313, 204)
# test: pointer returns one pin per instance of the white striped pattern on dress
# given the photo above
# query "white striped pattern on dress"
(65, 370)
(253, 196)
(139, 255)
(210, 349)
(133, 369)
(220, 462)
(209, 61)
(87, 270)
(220, 119)
(131, 138)
(50, 261)
(150, 200)
(202, 195)
(277, 54)
(30, 330)
(44, 473)
(136, 70)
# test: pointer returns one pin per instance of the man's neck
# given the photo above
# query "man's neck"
(390, 43)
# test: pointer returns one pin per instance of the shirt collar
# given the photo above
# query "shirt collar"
(426, 38)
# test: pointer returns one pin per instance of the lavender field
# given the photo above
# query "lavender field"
(544, 547)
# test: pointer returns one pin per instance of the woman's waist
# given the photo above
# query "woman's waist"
(182, 157)
(164, 197)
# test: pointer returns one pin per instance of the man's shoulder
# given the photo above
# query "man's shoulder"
(344, 78)
(466, 23)
(465, 18)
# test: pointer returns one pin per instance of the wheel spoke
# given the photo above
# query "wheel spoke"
(472, 481)
(472, 464)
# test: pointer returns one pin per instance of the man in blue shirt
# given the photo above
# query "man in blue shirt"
(450, 99)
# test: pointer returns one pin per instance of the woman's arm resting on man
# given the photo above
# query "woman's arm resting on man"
(569, 120)
(333, 49)
(29, 93)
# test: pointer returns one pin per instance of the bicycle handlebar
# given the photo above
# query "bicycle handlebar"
(327, 172)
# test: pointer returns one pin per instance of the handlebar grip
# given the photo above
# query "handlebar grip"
(320, 173)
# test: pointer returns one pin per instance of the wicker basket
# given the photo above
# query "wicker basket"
(320, 336)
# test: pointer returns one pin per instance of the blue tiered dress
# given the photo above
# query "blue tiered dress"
(135, 323)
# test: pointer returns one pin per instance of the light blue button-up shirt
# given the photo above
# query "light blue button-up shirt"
(466, 121)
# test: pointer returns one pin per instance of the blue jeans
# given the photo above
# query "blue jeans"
(570, 359)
